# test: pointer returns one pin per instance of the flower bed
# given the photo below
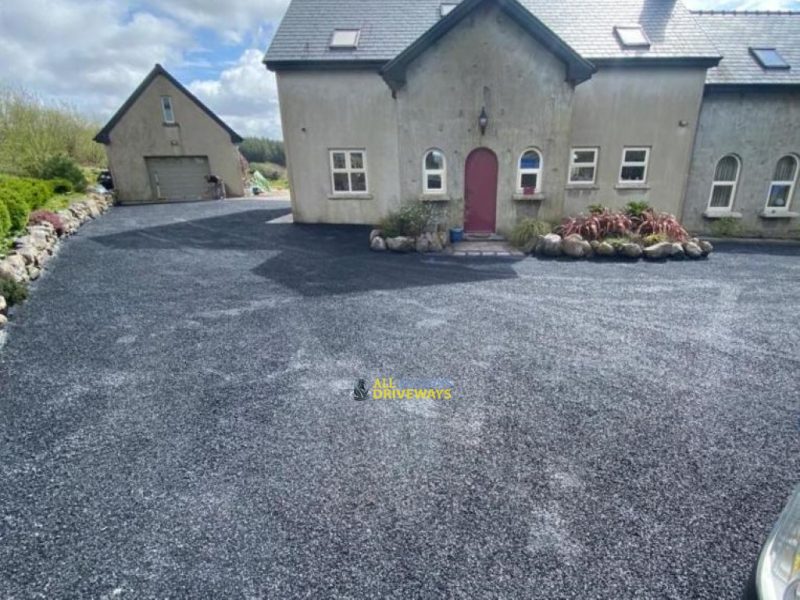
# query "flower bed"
(32, 251)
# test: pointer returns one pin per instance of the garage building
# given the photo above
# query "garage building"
(163, 144)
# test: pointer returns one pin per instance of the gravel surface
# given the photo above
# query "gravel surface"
(177, 418)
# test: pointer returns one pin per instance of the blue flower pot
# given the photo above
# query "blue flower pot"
(456, 234)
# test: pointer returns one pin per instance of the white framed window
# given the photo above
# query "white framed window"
(632, 36)
(166, 110)
(726, 178)
(583, 166)
(434, 172)
(345, 38)
(349, 171)
(783, 183)
(634, 165)
(529, 172)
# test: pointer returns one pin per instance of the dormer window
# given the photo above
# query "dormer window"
(166, 110)
(632, 36)
(447, 8)
(345, 39)
(769, 58)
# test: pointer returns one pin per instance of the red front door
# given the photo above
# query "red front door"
(480, 192)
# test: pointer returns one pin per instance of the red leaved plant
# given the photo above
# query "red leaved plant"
(45, 216)
(596, 226)
(652, 222)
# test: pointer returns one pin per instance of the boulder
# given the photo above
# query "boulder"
(3, 304)
(400, 244)
(13, 267)
(693, 250)
(375, 233)
(29, 254)
(422, 243)
(605, 249)
(33, 272)
(631, 250)
(3, 321)
(595, 244)
(551, 245)
(677, 250)
(575, 246)
(660, 250)
(706, 247)
(378, 244)
(532, 244)
(436, 242)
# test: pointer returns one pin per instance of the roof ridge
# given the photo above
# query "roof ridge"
(744, 12)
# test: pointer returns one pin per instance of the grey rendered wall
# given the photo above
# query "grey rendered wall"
(141, 133)
(760, 128)
(324, 110)
(487, 60)
(622, 107)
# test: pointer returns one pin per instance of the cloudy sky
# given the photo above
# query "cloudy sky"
(93, 53)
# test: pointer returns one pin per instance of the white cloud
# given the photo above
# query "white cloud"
(245, 96)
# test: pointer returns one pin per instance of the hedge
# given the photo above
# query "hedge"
(18, 197)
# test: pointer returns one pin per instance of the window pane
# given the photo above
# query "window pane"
(721, 196)
(340, 182)
(338, 160)
(778, 196)
(582, 174)
(583, 156)
(632, 173)
(529, 180)
(434, 161)
(345, 38)
(434, 182)
(530, 160)
(786, 169)
(632, 36)
(727, 169)
(635, 156)
(356, 160)
(359, 182)
(769, 58)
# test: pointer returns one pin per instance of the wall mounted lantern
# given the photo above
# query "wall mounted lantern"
(483, 120)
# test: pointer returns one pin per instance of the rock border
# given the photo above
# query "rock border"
(437, 241)
(574, 246)
(33, 250)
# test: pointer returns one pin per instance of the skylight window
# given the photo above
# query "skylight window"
(769, 58)
(447, 8)
(632, 36)
(345, 38)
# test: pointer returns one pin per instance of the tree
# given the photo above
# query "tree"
(261, 150)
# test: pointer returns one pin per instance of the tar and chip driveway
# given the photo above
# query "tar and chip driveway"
(178, 421)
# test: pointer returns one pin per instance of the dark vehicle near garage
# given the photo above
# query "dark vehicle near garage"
(105, 179)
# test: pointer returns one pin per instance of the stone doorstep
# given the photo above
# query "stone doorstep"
(484, 248)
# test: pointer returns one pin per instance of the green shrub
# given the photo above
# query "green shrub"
(636, 209)
(726, 227)
(597, 209)
(527, 230)
(61, 186)
(18, 209)
(13, 292)
(411, 220)
(61, 166)
(654, 238)
(5, 221)
(617, 242)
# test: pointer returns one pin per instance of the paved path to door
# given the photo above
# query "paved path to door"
(177, 418)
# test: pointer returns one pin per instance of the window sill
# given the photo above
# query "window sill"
(165, 124)
(581, 186)
(538, 197)
(632, 186)
(778, 214)
(435, 198)
(721, 214)
(350, 196)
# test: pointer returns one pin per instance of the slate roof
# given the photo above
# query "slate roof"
(389, 26)
(735, 32)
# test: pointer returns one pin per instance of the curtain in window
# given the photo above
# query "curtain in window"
(786, 168)
(727, 169)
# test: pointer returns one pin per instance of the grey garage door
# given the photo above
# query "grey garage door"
(179, 177)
